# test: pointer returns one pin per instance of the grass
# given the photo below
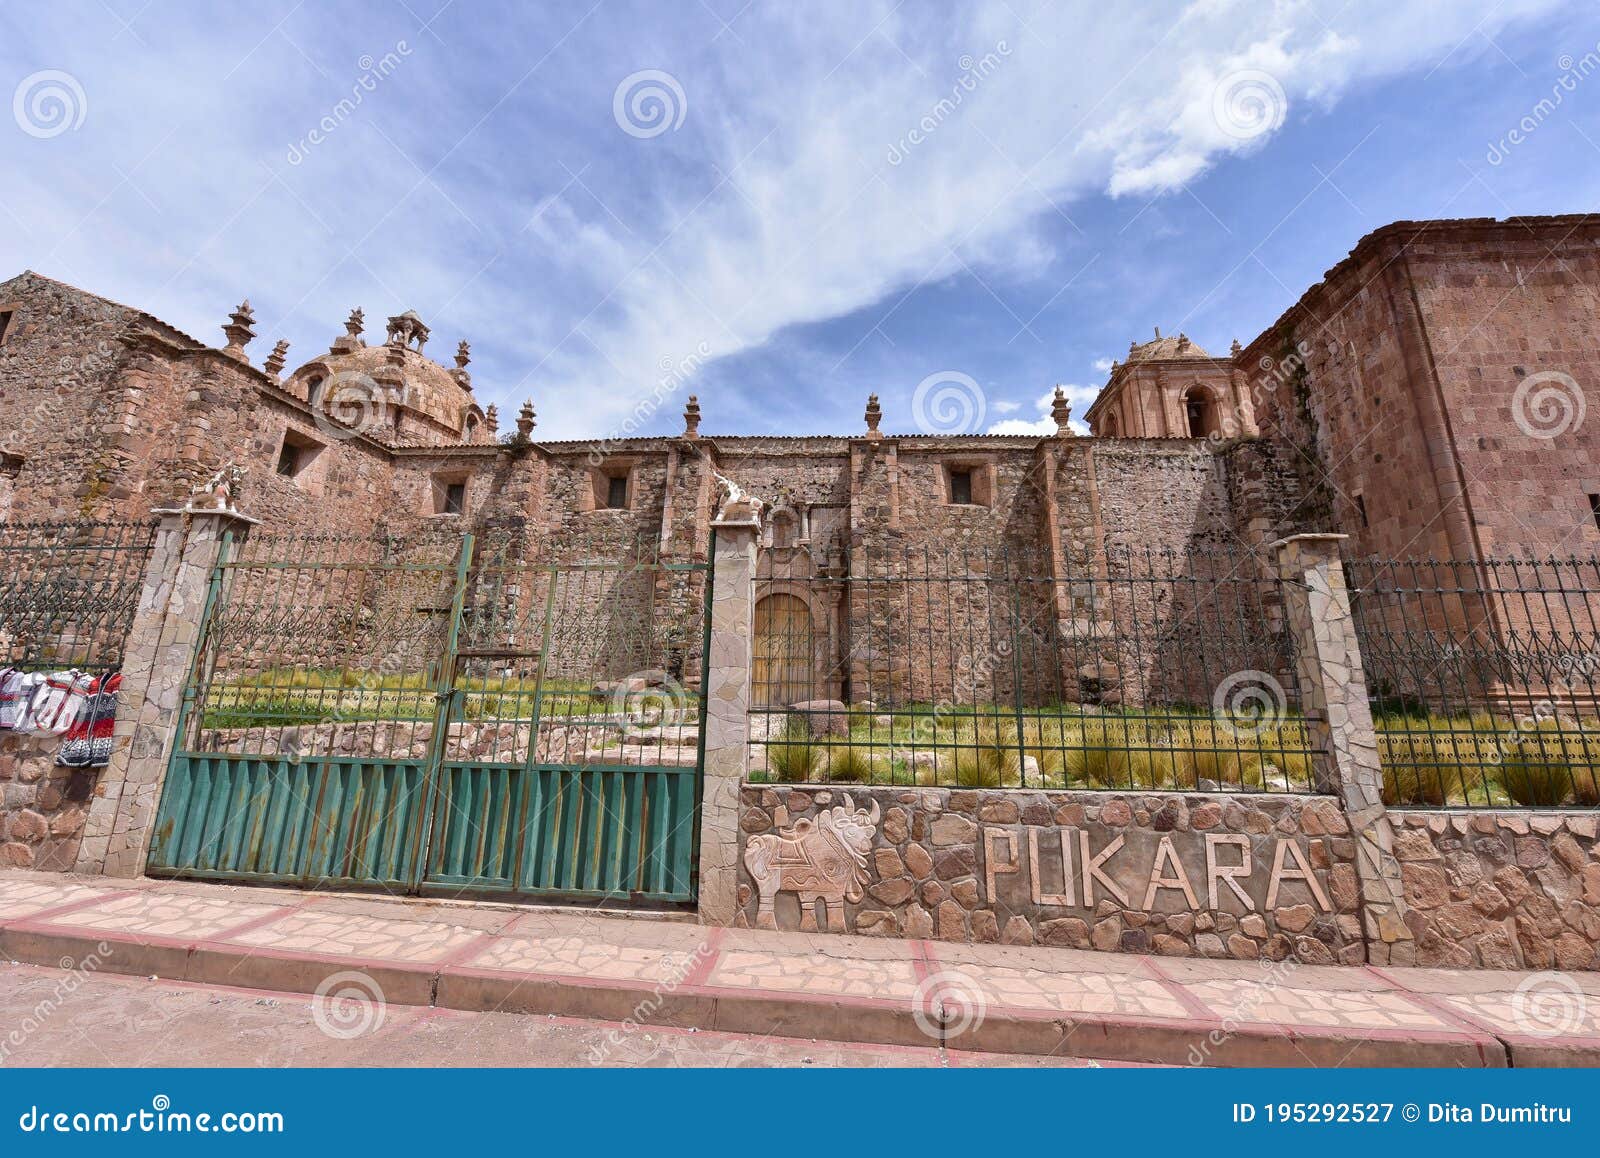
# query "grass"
(1428, 761)
(300, 696)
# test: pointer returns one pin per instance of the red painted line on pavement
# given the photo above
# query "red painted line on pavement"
(707, 961)
(1195, 1007)
(74, 906)
(924, 963)
(1433, 1005)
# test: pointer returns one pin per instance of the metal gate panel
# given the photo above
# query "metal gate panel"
(442, 714)
(328, 821)
(622, 832)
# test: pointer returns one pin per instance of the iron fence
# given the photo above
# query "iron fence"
(1482, 677)
(69, 590)
(1137, 668)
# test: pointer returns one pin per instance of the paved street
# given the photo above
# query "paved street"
(73, 1019)
(484, 980)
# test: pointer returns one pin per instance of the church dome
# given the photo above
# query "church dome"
(393, 392)
(1166, 349)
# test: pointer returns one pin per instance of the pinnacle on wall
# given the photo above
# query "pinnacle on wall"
(874, 416)
(691, 417)
(491, 419)
(525, 420)
(240, 330)
(1061, 411)
(463, 356)
(275, 360)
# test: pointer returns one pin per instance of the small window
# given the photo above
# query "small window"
(1361, 509)
(313, 391)
(5, 323)
(455, 498)
(1594, 510)
(296, 454)
(961, 487)
(10, 464)
(617, 492)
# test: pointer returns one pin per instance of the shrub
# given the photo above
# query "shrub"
(792, 754)
(1535, 784)
(1112, 752)
(851, 765)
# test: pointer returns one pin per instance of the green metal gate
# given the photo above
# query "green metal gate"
(443, 714)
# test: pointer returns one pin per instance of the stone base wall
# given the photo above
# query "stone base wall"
(1242, 876)
(1502, 890)
(42, 805)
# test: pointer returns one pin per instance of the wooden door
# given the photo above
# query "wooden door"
(782, 652)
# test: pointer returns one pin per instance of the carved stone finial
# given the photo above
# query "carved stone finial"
(874, 416)
(407, 330)
(691, 417)
(240, 329)
(1061, 411)
(1235, 350)
(736, 505)
(525, 420)
(355, 323)
(275, 360)
(1183, 342)
(491, 418)
(463, 354)
(220, 491)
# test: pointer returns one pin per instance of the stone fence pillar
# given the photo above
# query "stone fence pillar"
(157, 659)
(726, 684)
(1333, 694)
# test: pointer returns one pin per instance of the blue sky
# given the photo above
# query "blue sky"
(761, 215)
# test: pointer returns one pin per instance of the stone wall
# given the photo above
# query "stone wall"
(1502, 890)
(1241, 876)
(42, 805)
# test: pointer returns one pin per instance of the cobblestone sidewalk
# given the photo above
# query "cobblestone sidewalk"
(357, 952)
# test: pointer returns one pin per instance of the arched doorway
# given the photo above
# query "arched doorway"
(782, 651)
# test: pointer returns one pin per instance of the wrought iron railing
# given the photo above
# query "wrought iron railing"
(69, 590)
(1003, 668)
(1483, 678)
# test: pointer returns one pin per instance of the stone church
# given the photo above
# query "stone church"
(1425, 398)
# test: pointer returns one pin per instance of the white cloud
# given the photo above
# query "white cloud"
(1104, 365)
(1078, 396)
(577, 258)
(1004, 407)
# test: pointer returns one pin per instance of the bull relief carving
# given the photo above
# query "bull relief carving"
(819, 859)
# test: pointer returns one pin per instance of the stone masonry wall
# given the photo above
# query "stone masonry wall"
(42, 805)
(1507, 890)
(1241, 876)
